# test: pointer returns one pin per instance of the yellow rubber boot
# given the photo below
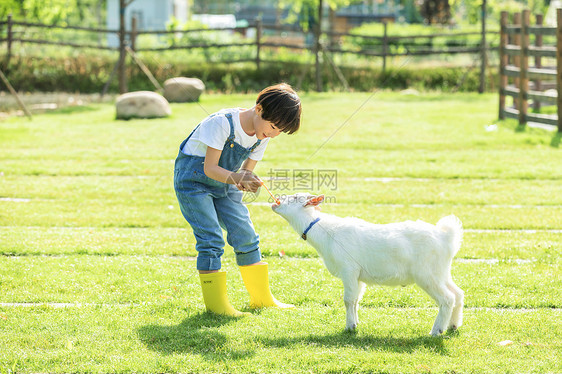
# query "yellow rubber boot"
(256, 280)
(214, 294)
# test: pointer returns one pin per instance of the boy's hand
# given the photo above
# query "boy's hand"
(248, 181)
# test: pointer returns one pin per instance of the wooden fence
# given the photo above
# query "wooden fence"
(259, 42)
(515, 53)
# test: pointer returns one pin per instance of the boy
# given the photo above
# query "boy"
(215, 163)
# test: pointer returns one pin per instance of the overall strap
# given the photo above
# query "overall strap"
(187, 139)
(229, 118)
(192, 132)
(255, 145)
(231, 136)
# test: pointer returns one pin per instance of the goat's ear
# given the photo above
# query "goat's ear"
(314, 200)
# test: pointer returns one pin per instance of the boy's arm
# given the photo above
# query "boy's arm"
(214, 171)
(249, 165)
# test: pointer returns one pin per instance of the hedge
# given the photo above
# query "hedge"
(89, 74)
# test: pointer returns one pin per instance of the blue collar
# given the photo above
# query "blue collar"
(309, 227)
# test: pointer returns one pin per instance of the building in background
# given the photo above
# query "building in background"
(344, 18)
(155, 14)
(150, 15)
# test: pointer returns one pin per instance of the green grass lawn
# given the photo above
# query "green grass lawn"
(97, 265)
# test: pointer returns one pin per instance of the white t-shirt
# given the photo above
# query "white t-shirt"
(213, 132)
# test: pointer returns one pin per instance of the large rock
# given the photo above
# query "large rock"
(183, 90)
(142, 104)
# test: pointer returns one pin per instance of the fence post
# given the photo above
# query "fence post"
(133, 32)
(559, 66)
(516, 59)
(482, 86)
(384, 44)
(122, 53)
(332, 40)
(317, 47)
(10, 38)
(538, 63)
(523, 73)
(258, 42)
(503, 62)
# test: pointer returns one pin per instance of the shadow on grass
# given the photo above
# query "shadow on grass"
(554, 143)
(350, 339)
(196, 335)
(520, 128)
(73, 109)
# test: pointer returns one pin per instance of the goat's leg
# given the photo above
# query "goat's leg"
(351, 294)
(445, 300)
(456, 317)
(361, 292)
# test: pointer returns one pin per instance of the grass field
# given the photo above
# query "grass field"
(97, 266)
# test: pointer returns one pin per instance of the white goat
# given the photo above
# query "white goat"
(359, 253)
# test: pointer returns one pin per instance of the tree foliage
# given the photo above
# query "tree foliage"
(91, 12)
(470, 10)
(54, 12)
(306, 11)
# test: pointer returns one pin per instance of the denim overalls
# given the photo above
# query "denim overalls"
(209, 205)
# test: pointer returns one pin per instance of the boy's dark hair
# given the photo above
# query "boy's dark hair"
(282, 106)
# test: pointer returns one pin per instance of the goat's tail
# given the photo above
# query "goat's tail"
(452, 226)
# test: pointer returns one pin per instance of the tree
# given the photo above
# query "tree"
(436, 11)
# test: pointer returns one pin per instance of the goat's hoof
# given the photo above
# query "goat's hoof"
(351, 328)
(436, 332)
(455, 326)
